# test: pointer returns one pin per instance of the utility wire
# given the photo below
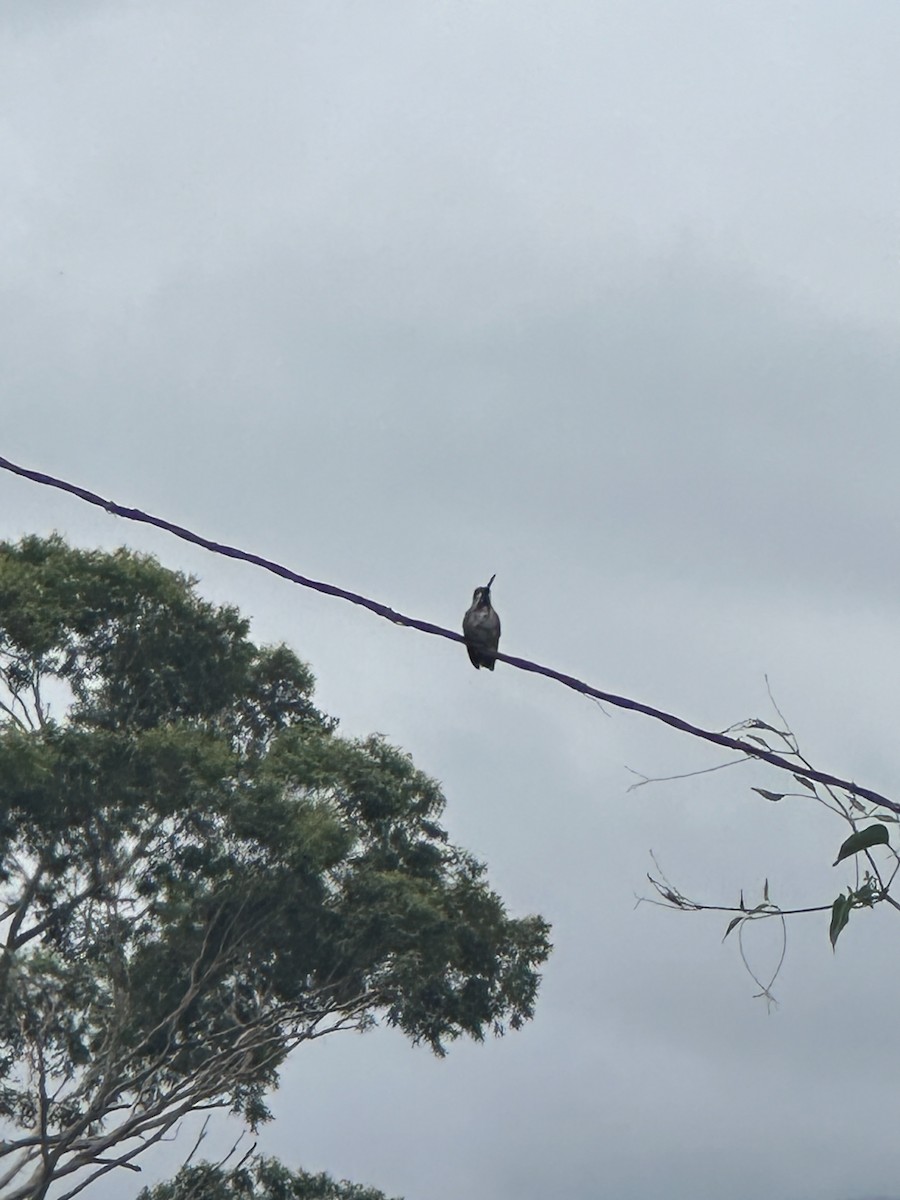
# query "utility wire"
(750, 749)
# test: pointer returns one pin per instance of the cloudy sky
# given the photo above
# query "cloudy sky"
(600, 296)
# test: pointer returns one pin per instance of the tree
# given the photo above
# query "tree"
(198, 874)
(267, 1179)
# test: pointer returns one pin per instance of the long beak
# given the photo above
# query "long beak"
(490, 581)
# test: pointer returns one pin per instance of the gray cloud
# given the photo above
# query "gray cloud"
(603, 299)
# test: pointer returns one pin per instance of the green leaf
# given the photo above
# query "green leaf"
(865, 895)
(769, 795)
(804, 782)
(759, 723)
(840, 915)
(731, 925)
(863, 839)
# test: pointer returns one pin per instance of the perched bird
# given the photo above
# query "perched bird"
(481, 629)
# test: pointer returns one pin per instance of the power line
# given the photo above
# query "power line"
(522, 664)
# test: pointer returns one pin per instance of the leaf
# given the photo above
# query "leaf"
(863, 839)
(751, 737)
(768, 795)
(865, 895)
(804, 782)
(759, 723)
(731, 924)
(840, 915)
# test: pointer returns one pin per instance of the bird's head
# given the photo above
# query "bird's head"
(481, 597)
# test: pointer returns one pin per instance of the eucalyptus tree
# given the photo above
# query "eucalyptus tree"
(198, 873)
(260, 1179)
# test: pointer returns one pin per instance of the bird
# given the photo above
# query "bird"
(481, 629)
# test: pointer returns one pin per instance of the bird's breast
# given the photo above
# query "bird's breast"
(483, 619)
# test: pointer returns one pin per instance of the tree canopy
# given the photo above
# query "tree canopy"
(198, 873)
(265, 1179)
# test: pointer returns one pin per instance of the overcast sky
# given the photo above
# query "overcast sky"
(599, 296)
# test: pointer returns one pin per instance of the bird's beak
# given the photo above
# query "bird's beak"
(490, 581)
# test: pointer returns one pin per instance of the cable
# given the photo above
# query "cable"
(522, 664)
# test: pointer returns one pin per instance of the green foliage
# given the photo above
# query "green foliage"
(197, 872)
(840, 915)
(865, 896)
(267, 1179)
(863, 839)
